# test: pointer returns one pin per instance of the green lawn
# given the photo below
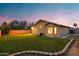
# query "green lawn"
(12, 44)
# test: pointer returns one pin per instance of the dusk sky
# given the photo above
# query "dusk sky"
(65, 14)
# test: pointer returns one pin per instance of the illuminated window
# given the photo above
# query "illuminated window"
(50, 30)
(55, 30)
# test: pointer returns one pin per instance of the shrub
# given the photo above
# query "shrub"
(5, 30)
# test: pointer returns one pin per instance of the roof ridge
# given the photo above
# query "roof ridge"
(53, 23)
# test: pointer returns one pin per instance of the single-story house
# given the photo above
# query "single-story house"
(50, 29)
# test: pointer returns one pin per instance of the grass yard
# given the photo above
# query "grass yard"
(12, 44)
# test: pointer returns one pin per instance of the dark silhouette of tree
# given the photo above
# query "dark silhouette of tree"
(75, 25)
(18, 25)
(4, 24)
(14, 24)
(30, 25)
(23, 24)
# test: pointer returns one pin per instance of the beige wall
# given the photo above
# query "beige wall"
(37, 28)
(63, 31)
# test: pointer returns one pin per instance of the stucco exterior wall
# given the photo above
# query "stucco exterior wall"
(39, 28)
(63, 31)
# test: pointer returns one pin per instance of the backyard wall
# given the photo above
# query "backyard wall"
(0, 32)
(17, 32)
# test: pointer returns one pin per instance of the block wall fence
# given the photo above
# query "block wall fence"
(0, 32)
(17, 32)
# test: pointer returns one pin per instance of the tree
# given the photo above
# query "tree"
(75, 25)
(5, 28)
(18, 25)
(4, 24)
(23, 25)
(14, 24)
(30, 25)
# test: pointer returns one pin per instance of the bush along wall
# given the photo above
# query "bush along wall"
(5, 30)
